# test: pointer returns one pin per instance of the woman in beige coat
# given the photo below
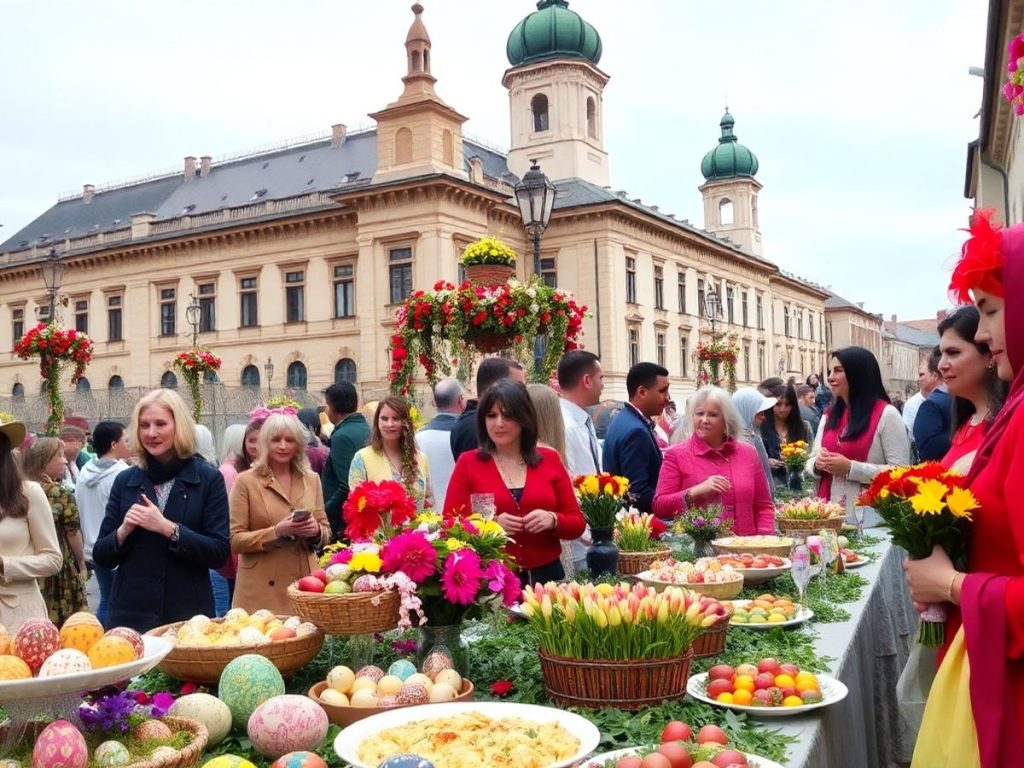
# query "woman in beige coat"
(28, 538)
(277, 518)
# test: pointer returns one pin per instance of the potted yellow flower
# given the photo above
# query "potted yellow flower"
(488, 261)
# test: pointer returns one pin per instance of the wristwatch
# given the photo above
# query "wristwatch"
(175, 536)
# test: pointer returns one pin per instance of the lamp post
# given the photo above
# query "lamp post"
(192, 312)
(535, 195)
(53, 276)
(710, 309)
(268, 368)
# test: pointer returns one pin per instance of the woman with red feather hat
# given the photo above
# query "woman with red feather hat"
(975, 710)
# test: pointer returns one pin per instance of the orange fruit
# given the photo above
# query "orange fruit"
(726, 698)
(742, 697)
(785, 681)
(805, 681)
(792, 701)
(743, 683)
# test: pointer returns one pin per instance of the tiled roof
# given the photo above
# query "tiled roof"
(911, 335)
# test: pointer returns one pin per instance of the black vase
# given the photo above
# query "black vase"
(603, 555)
(796, 480)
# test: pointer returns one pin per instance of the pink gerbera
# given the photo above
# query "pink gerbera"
(462, 575)
(502, 581)
(411, 554)
(342, 557)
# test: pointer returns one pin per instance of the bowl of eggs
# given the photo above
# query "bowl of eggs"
(348, 696)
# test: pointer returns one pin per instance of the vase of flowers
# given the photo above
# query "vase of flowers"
(601, 498)
(638, 538)
(56, 348)
(193, 364)
(703, 525)
(488, 261)
(795, 456)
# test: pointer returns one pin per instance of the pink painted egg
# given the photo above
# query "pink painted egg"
(413, 693)
(35, 641)
(152, 729)
(388, 700)
(66, 661)
(299, 760)
(373, 672)
(60, 745)
(134, 639)
(287, 723)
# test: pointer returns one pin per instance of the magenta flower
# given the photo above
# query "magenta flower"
(502, 581)
(462, 576)
(342, 557)
(411, 554)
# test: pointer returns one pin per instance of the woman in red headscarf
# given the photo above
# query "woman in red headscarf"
(975, 710)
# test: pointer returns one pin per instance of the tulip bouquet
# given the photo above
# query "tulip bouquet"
(636, 532)
(622, 622)
(601, 497)
(810, 509)
(922, 506)
(795, 455)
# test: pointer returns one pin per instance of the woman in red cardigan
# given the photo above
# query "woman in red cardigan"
(533, 495)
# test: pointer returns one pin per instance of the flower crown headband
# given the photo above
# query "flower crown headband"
(981, 259)
(263, 413)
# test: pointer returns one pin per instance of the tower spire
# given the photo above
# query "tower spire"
(418, 80)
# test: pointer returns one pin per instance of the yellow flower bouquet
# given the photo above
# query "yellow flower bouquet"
(601, 497)
(795, 455)
(488, 250)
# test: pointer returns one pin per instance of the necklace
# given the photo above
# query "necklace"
(395, 470)
(505, 475)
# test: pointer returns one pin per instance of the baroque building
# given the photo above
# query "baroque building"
(300, 256)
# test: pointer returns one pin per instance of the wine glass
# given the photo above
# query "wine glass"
(858, 512)
(800, 570)
(829, 551)
(483, 504)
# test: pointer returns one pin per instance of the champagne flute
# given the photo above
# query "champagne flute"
(829, 551)
(800, 570)
(858, 512)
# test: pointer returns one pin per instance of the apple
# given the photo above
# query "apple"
(789, 690)
(747, 669)
(655, 760)
(711, 733)
(764, 680)
(310, 584)
(728, 758)
(337, 588)
(704, 764)
(676, 730)
(321, 574)
(788, 669)
(768, 665)
(677, 754)
(716, 687)
(721, 672)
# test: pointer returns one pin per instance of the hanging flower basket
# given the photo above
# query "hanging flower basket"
(1013, 89)
(489, 274)
(192, 364)
(716, 362)
(56, 347)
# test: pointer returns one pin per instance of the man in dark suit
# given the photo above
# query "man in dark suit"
(630, 448)
(934, 421)
(351, 432)
(492, 369)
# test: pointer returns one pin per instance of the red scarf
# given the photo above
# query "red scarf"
(855, 450)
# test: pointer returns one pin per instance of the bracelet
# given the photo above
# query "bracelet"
(554, 519)
(949, 592)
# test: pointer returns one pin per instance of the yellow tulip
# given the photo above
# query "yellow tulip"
(605, 589)
(614, 617)
(545, 607)
(527, 610)
(693, 611)
(600, 618)
(663, 612)
(570, 611)
(708, 621)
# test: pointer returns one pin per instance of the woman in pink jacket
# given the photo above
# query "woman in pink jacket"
(714, 467)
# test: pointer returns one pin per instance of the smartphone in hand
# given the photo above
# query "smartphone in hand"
(300, 515)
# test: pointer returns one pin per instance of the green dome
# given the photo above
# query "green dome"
(730, 158)
(553, 31)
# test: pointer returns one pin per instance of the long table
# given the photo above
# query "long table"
(869, 650)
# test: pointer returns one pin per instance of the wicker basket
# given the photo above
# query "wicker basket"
(347, 715)
(810, 527)
(727, 547)
(632, 563)
(711, 642)
(720, 590)
(189, 755)
(204, 663)
(629, 685)
(357, 613)
(489, 274)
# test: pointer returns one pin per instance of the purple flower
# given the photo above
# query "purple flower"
(699, 522)
(109, 712)
(161, 704)
(716, 522)
(404, 646)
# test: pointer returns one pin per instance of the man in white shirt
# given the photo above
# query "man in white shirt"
(926, 384)
(434, 437)
(581, 380)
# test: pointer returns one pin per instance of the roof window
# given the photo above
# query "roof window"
(258, 194)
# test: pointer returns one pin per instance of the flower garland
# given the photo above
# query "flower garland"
(716, 361)
(55, 347)
(192, 364)
(284, 401)
(449, 325)
(488, 250)
(1013, 89)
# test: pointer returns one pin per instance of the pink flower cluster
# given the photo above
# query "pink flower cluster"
(1013, 90)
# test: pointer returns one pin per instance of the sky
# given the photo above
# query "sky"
(859, 113)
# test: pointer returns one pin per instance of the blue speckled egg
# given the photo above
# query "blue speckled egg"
(247, 682)
(406, 761)
(402, 669)
(299, 760)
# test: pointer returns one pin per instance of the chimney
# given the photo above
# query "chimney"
(204, 165)
(190, 168)
(860, 304)
(476, 170)
(338, 131)
(87, 192)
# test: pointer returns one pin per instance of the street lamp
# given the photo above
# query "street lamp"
(53, 276)
(192, 313)
(710, 309)
(535, 195)
(268, 368)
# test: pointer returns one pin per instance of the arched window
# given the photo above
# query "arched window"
(403, 146)
(725, 214)
(753, 208)
(345, 370)
(539, 107)
(297, 375)
(250, 376)
(448, 148)
(169, 380)
(591, 118)
(115, 382)
(18, 393)
(209, 377)
(83, 385)
(417, 62)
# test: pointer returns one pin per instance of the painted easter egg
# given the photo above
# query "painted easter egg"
(373, 672)
(110, 651)
(13, 668)
(80, 631)
(252, 636)
(402, 669)
(60, 745)
(163, 752)
(133, 638)
(208, 710)
(65, 662)
(340, 678)
(152, 730)
(111, 754)
(285, 724)
(299, 760)
(228, 761)
(406, 761)
(35, 641)
(6, 642)
(438, 660)
(247, 682)
(413, 693)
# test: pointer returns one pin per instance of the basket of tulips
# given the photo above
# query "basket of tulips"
(626, 646)
(638, 537)
(805, 516)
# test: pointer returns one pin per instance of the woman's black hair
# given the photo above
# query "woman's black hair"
(964, 323)
(795, 429)
(864, 378)
(13, 501)
(514, 401)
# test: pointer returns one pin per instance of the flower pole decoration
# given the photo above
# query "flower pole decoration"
(56, 347)
(444, 329)
(192, 364)
(716, 362)
(488, 250)
(1013, 89)
(922, 506)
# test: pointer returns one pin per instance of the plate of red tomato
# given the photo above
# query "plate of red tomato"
(681, 748)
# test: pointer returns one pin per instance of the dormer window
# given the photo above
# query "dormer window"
(539, 107)
(258, 194)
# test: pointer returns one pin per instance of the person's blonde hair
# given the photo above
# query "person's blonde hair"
(35, 458)
(550, 424)
(185, 439)
(275, 424)
(233, 442)
(721, 398)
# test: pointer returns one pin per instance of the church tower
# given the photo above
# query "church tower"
(555, 95)
(730, 190)
(418, 134)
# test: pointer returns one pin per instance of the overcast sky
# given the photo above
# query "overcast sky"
(859, 112)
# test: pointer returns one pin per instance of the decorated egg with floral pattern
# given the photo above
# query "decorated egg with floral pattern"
(413, 693)
(152, 730)
(35, 641)
(288, 723)
(65, 662)
(208, 710)
(299, 760)
(371, 671)
(228, 761)
(111, 754)
(60, 745)
(110, 651)
(246, 682)
(134, 639)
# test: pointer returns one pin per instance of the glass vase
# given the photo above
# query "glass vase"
(444, 639)
(795, 480)
(702, 548)
(603, 555)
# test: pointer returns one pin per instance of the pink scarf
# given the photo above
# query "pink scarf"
(855, 450)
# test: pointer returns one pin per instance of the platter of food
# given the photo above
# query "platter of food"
(475, 733)
(767, 612)
(707, 576)
(768, 689)
(853, 560)
(616, 759)
(758, 545)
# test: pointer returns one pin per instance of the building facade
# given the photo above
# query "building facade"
(848, 324)
(299, 257)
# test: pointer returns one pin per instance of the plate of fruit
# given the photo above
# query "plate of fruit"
(706, 575)
(766, 689)
(758, 545)
(756, 569)
(768, 611)
(681, 748)
(852, 560)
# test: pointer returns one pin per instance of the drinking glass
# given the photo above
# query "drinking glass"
(800, 569)
(858, 512)
(829, 551)
(483, 505)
